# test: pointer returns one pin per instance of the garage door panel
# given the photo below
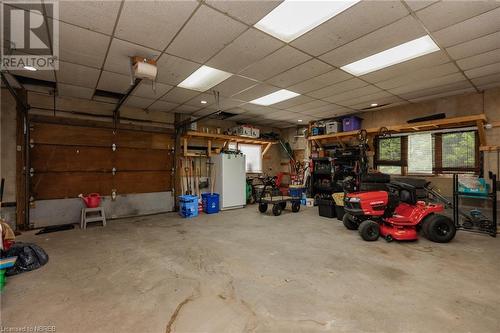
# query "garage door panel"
(143, 159)
(42, 133)
(59, 185)
(143, 181)
(136, 139)
(58, 158)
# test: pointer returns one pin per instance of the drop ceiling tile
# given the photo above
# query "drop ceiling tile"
(255, 92)
(162, 106)
(138, 102)
(358, 20)
(82, 46)
(475, 46)
(479, 60)
(173, 70)
(443, 94)
(275, 63)
(428, 60)
(185, 109)
(366, 100)
(422, 74)
(255, 109)
(207, 28)
(483, 71)
(301, 99)
(248, 48)
(338, 88)
(153, 23)
(39, 75)
(114, 82)
(437, 87)
(179, 95)
(203, 112)
(380, 99)
(402, 31)
(242, 117)
(320, 81)
(249, 12)
(74, 91)
(467, 30)
(443, 80)
(300, 73)
(486, 80)
(97, 16)
(229, 103)
(196, 101)
(236, 110)
(120, 51)
(418, 4)
(489, 86)
(323, 111)
(234, 85)
(145, 89)
(308, 106)
(77, 75)
(351, 94)
(446, 13)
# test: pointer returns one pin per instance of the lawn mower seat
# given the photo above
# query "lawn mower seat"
(406, 192)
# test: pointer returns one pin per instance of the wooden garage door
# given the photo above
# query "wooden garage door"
(67, 160)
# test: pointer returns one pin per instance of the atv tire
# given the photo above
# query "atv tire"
(295, 206)
(439, 228)
(369, 230)
(349, 222)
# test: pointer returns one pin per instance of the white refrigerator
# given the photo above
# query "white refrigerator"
(230, 180)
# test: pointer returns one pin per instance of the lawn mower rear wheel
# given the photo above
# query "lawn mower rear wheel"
(349, 222)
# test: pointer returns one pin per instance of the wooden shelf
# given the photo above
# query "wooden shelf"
(474, 120)
(225, 139)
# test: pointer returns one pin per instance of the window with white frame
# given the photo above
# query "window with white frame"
(253, 156)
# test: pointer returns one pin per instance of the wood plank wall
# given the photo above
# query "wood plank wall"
(71, 159)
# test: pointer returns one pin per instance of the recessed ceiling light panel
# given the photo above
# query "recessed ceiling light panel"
(293, 18)
(204, 78)
(404, 52)
(275, 97)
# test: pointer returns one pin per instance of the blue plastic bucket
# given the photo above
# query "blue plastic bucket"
(295, 192)
(210, 202)
(188, 205)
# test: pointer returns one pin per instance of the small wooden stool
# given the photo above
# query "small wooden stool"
(92, 215)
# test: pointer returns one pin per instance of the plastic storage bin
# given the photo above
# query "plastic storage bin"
(188, 205)
(352, 123)
(295, 192)
(326, 208)
(333, 127)
(210, 202)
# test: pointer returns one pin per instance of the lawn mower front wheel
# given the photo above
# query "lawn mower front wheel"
(369, 230)
(349, 222)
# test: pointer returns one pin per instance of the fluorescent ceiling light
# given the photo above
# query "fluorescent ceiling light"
(293, 18)
(373, 104)
(204, 78)
(275, 97)
(299, 120)
(404, 52)
(203, 102)
(30, 68)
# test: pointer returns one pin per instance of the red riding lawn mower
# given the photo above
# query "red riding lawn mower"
(396, 214)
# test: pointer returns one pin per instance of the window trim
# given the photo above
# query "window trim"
(437, 169)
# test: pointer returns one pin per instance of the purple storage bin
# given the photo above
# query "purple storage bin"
(351, 123)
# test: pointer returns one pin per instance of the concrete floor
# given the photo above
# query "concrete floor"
(240, 271)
